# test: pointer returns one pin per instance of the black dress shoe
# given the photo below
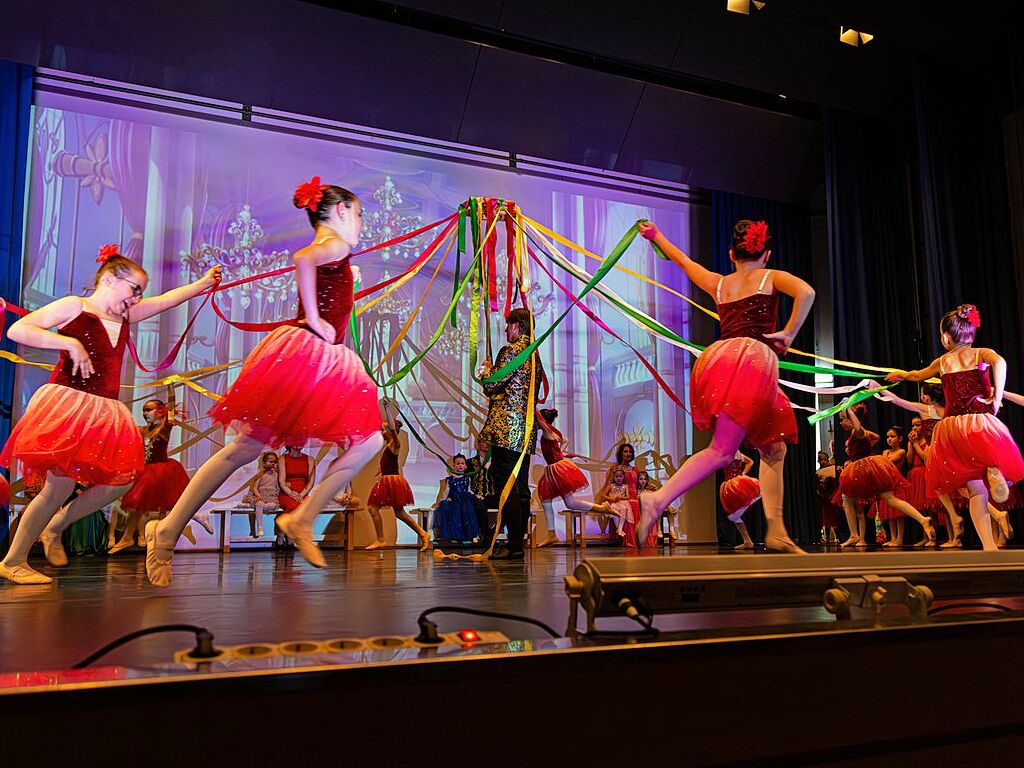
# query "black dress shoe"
(517, 554)
(501, 553)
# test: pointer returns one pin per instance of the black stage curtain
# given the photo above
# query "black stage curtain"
(790, 226)
(919, 222)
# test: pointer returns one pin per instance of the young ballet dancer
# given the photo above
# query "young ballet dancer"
(930, 409)
(738, 493)
(263, 495)
(161, 481)
(897, 454)
(970, 446)
(868, 477)
(562, 479)
(75, 430)
(392, 490)
(455, 514)
(734, 383)
(826, 479)
(300, 383)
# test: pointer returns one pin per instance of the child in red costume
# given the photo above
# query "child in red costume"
(734, 385)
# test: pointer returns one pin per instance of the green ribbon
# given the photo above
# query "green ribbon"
(849, 402)
(606, 266)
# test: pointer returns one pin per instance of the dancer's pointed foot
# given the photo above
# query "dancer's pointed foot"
(123, 544)
(53, 548)
(302, 537)
(929, 531)
(953, 543)
(853, 541)
(780, 543)
(23, 574)
(425, 543)
(158, 559)
(376, 545)
(204, 520)
(745, 545)
(997, 485)
(649, 515)
(551, 540)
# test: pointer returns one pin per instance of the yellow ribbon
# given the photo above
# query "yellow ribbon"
(412, 315)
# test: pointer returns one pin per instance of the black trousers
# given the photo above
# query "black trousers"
(517, 506)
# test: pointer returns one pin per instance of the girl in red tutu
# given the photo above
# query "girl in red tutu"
(562, 479)
(870, 478)
(738, 493)
(161, 481)
(897, 454)
(392, 490)
(75, 430)
(826, 479)
(930, 409)
(300, 383)
(734, 385)
(970, 447)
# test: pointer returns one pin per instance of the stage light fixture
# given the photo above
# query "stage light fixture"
(852, 37)
(743, 6)
(843, 584)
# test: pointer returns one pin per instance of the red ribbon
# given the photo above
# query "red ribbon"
(510, 252)
(274, 324)
(490, 253)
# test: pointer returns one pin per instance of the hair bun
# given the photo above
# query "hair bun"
(970, 313)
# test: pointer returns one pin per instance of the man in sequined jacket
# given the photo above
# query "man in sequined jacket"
(505, 429)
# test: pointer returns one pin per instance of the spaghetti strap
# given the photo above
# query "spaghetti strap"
(764, 279)
(718, 289)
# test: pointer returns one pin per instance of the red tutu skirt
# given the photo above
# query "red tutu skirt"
(737, 494)
(390, 491)
(560, 479)
(866, 478)
(157, 487)
(965, 446)
(91, 439)
(295, 387)
(917, 493)
(740, 377)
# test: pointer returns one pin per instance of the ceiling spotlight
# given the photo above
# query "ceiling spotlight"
(743, 6)
(853, 37)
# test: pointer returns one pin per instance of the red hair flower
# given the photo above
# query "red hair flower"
(107, 252)
(973, 316)
(309, 194)
(756, 237)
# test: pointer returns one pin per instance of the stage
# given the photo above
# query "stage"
(789, 681)
(266, 597)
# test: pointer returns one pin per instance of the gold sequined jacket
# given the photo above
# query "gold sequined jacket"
(506, 412)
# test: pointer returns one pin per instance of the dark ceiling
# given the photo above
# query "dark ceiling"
(679, 90)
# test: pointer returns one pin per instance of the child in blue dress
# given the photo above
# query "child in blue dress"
(455, 515)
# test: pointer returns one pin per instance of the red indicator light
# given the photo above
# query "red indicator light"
(468, 635)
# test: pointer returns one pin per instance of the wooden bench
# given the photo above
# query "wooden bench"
(577, 518)
(226, 513)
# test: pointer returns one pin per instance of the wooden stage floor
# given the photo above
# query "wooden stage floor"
(263, 596)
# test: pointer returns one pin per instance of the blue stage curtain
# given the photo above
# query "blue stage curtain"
(790, 226)
(15, 123)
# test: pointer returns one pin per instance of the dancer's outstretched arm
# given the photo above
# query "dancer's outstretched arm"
(172, 298)
(700, 276)
(920, 375)
(907, 405)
